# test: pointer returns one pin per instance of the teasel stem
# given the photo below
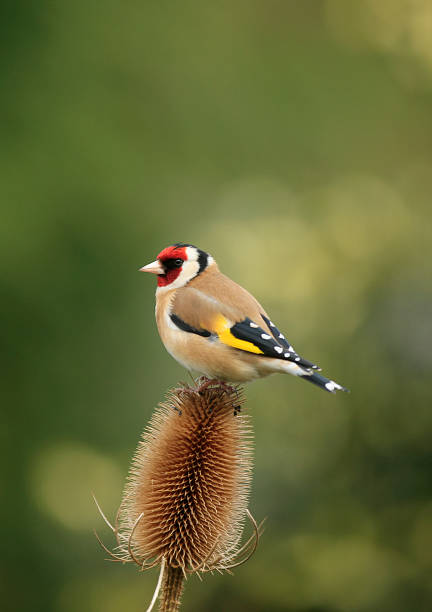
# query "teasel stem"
(185, 501)
(172, 589)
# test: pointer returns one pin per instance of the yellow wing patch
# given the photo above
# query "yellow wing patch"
(222, 328)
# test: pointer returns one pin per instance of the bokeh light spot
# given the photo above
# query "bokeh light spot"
(366, 218)
(421, 540)
(110, 594)
(351, 573)
(63, 478)
(397, 27)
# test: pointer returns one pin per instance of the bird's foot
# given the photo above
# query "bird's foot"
(214, 382)
(206, 382)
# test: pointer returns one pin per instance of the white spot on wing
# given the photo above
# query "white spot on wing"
(330, 385)
(265, 336)
(253, 325)
(281, 336)
(278, 349)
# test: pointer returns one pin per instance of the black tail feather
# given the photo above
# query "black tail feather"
(324, 383)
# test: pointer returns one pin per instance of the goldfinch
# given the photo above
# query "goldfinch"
(211, 325)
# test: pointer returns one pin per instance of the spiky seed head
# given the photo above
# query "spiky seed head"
(189, 481)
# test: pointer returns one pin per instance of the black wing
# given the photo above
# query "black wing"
(274, 345)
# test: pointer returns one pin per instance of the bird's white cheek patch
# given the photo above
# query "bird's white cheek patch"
(189, 271)
(191, 254)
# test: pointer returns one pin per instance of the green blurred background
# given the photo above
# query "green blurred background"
(293, 141)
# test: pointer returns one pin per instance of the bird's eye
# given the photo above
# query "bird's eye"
(172, 264)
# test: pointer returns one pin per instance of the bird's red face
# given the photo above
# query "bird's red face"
(172, 259)
(177, 264)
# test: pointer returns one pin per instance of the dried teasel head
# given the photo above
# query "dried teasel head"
(190, 480)
(185, 501)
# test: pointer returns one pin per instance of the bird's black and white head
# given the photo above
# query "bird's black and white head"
(178, 264)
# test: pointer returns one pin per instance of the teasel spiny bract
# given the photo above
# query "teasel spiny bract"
(185, 501)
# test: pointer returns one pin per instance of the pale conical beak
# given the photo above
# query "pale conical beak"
(155, 267)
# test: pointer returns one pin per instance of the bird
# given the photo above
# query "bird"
(213, 326)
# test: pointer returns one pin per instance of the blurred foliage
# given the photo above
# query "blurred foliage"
(292, 140)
